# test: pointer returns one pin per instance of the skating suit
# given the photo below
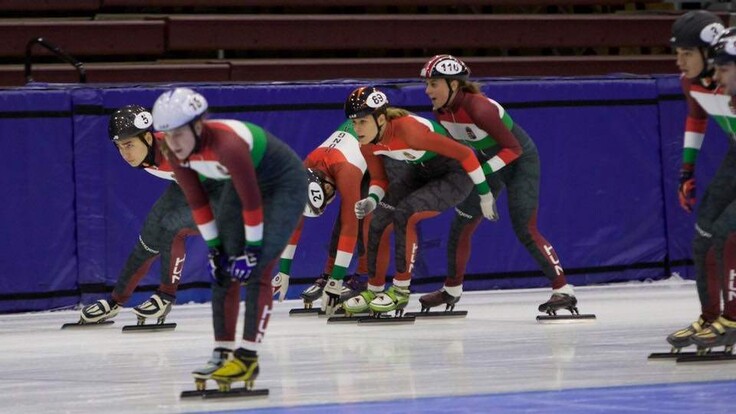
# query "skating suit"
(714, 244)
(263, 197)
(339, 158)
(164, 233)
(510, 160)
(427, 174)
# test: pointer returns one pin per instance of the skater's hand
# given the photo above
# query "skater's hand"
(364, 207)
(686, 190)
(331, 296)
(217, 261)
(488, 206)
(280, 284)
(242, 266)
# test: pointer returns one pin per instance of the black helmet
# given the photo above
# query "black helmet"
(364, 101)
(698, 28)
(317, 195)
(129, 121)
(724, 49)
(445, 66)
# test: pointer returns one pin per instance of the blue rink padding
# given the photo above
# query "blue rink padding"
(609, 149)
(712, 397)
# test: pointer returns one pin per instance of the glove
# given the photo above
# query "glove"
(242, 266)
(686, 190)
(217, 262)
(364, 207)
(280, 284)
(331, 296)
(488, 206)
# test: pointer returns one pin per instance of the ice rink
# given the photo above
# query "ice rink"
(497, 360)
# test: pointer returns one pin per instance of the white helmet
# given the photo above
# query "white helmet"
(177, 107)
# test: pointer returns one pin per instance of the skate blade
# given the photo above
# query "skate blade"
(347, 319)
(153, 327)
(438, 314)
(75, 325)
(303, 312)
(338, 312)
(235, 392)
(565, 318)
(387, 320)
(670, 355)
(719, 356)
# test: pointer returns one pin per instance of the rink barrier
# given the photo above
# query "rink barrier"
(609, 146)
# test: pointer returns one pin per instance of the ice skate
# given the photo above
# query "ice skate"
(309, 295)
(722, 332)
(201, 375)
(681, 338)
(439, 298)
(395, 299)
(352, 287)
(157, 306)
(243, 366)
(96, 314)
(359, 303)
(562, 298)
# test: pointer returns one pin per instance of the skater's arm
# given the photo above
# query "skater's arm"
(379, 181)
(347, 180)
(487, 116)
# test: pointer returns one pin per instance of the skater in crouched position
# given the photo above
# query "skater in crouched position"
(713, 250)
(510, 160)
(716, 222)
(336, 166)
(165, 229)
(264, 196)
(437, 174)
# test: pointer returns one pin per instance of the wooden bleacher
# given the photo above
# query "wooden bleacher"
(214, 40)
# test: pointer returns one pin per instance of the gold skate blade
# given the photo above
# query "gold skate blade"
(565, 318)
(76, 325)
(153, 327)
(303, 311)
(387, 320)
(438, 314)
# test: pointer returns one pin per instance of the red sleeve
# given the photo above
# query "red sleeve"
(234, 154)
(375, 167)
(486, 116)
(697, 118)
(419, 136)
(347, 180)
(197, 198)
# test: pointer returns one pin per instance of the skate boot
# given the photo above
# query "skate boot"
(440, 297)
(359, 303)
(99, 311)
(394, 299)
(157, 306)
(314, 292)
(352, 287)
(201, 375)
(562, 298)
(722, 332)
(683, 337)
(242, 367)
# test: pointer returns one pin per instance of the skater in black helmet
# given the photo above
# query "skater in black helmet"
(165, 229)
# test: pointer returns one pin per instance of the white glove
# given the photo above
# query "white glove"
(280, 284)
(331, 296)
(364, 207)
(488, 206)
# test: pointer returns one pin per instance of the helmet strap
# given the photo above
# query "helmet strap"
(150, 159)
(449, 93)
(378, 128)
(197, 137)
(707, 73)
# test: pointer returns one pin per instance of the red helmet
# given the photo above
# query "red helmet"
(445, 66)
